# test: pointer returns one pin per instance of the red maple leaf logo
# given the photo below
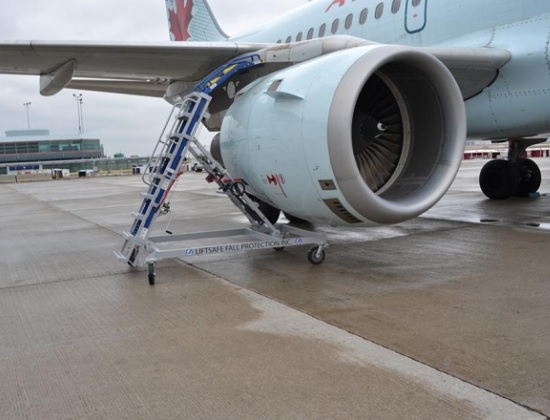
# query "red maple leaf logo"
(338, 2)
(180, 18)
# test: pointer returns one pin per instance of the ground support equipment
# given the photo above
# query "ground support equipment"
(164, 168)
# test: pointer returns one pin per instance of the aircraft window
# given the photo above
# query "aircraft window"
(379, 11)
(335, 25)
(279, 41)
(396, 5)
(299, 37)
(289, 40)
(310, 33)
(415, 3)
(322, 30)
(363, 16)
(349, 20)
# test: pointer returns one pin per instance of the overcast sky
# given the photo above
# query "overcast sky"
(124, 123)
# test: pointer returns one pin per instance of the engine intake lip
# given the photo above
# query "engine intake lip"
(434, 131)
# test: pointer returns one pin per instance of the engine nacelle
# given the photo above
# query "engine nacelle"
(368, 136)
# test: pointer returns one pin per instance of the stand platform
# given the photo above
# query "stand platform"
(231, 241)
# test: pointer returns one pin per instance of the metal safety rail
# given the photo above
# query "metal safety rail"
(165, 167)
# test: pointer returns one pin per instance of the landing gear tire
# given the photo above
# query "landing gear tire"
(315, 257)
(499, 179)
(151, 274)
(530, 177)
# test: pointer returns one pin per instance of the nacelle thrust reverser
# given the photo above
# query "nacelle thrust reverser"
(368, 136)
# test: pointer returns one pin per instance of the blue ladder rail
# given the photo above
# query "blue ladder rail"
(170, 163)
(194, 109)
(226, 71)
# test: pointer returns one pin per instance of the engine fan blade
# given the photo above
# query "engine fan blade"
(377, 134)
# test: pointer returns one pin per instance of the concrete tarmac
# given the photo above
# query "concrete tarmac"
(445, 316)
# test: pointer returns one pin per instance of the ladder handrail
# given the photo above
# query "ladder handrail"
(227, 70)
(154, 155)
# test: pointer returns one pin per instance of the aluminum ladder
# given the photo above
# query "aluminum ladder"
(165, 167)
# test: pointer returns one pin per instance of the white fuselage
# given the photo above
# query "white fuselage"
(515, 104)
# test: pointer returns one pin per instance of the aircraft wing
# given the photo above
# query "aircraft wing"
(148, 69)
(144, 69)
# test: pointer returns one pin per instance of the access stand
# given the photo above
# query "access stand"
(166, 166)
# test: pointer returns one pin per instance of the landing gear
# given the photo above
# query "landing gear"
(499, 179)
(517, 176)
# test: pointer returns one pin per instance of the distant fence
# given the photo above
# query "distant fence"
(497, 154)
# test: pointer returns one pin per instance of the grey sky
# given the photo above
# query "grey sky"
(125, 124)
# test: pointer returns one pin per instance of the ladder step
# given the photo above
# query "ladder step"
(137, 215)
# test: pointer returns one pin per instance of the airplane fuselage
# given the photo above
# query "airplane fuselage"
(515, 104)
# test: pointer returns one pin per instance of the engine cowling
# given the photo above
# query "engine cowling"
(368, 136)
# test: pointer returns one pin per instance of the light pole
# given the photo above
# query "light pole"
(27, 105)
(78, 99)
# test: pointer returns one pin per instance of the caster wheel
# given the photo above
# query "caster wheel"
(314, 257)
(151, 274)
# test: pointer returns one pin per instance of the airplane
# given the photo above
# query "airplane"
(359, 112)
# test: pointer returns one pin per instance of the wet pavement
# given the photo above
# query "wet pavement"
(444, 316)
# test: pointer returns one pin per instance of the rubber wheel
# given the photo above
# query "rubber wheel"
(530, 177)
(313, 258)
(499, 179)
(151, 274)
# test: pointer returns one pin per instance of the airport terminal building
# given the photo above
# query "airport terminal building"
(30, 151)
(28, 147)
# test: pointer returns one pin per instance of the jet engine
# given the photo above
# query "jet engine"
(368, 136)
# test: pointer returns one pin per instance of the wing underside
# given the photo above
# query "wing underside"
(149, 69)
(142, 69)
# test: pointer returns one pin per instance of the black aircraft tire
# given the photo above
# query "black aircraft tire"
(530, 177)
(499, 179)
